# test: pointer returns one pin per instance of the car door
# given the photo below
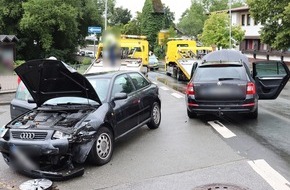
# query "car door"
(270, 78)
(126, 111)
(145, 93)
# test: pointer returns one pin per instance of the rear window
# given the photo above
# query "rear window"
(214, 73)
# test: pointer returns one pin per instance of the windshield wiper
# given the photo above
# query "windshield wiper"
(221, 79)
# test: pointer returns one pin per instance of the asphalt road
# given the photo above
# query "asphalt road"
(185, 153)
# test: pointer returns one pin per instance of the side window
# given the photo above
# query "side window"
(22, 93)
(270, 69)
(138, 80)
(122, 84)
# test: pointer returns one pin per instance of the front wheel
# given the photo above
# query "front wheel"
(155, 116)
(102, 149)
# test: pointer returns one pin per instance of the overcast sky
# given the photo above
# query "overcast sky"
(176, 6)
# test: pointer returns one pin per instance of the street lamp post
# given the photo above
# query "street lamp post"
(230, 12)
(106, 11)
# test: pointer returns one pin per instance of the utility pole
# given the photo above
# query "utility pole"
(230, 12)
(106, 13)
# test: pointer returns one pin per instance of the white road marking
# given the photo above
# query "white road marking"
(271, 176)
(155, 83)
(176, 95)
(221, 129)
(164, 88)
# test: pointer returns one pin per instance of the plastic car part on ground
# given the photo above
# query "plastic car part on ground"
(36, 184)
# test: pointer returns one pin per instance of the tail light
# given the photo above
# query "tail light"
(251, 88)
(18, 80)
(190, 89)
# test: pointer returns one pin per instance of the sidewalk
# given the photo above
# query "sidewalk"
(8, 88)
(5, 98)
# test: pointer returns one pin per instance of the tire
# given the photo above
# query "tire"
(191, 115)
(155, 116)
(253, 115)
(102, 150)
(178, 75)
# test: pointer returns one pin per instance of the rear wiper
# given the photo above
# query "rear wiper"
(221, 79)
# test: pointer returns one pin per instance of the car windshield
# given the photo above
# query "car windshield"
(215, 73)
(101, 86)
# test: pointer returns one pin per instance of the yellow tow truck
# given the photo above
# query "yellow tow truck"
(181, 55)
(134, 52)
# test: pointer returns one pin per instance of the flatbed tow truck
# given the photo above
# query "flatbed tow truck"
(133, 56)
(182, 56)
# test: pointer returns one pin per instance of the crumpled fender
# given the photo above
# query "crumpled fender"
(97, 119)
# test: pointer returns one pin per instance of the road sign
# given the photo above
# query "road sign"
(94, 29)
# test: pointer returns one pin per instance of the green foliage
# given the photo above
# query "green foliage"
(169, 17)
(151, 23)
(133, 27)
(193, 19)
(120, 16)
(275, 18)
(49, 17)
(219, 5)
(49, 27)
(86, 61)
(19, 62)
(216, 31)
(159, 51)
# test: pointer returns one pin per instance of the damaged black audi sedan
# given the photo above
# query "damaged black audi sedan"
(77, 118)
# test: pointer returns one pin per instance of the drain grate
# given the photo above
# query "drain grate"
(219, 186)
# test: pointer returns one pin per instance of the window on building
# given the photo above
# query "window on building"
(248, 19)
(243, 20)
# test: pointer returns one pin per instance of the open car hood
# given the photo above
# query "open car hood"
(47, 79)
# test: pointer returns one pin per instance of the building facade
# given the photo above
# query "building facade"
(252, 45)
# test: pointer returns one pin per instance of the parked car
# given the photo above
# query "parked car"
(223, 83)
(153, 62)
(77, 118)
(82, 53)
(89, 54)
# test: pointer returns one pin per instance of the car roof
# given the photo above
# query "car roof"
(110, 74)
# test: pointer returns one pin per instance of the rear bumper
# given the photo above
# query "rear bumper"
(247, 106)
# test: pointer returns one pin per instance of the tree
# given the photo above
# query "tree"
(219, 5)
(169, 17)
(216, 31)
(275, 18)
(151, 22)
(73, 15)
(133, 27)
(53, 24)
(193, 19)
(120, 16)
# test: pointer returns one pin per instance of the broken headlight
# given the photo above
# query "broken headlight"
(61, 135)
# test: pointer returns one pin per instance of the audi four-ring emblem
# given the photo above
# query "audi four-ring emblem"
(27, 135)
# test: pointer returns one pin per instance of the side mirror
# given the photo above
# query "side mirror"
(120, 96)
(31, 101)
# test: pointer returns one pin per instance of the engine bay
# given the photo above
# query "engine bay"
(43, 119)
